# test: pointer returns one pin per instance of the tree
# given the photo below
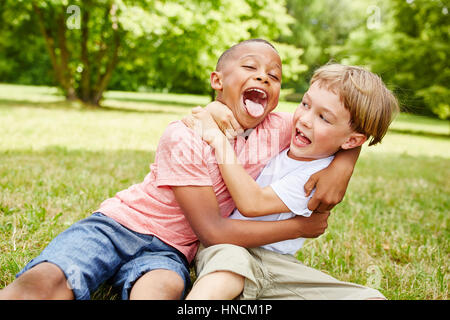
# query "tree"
(171, 44)
(319, 25)
(82, 61)
(410, 51)
(183, 54)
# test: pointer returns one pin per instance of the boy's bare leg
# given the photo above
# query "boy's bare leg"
(219, 285)
(158, 284)
(44, 281)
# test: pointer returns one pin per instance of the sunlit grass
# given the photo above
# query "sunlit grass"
(59, 162)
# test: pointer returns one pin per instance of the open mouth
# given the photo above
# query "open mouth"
(255, 101)
(301, 139)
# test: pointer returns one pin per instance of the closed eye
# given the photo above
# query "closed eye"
(273, 77)
(249, 67)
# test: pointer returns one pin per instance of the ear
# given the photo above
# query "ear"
(216, 80)
(354, 140)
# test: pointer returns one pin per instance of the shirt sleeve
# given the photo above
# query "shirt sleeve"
(290, 190)
(181, 158)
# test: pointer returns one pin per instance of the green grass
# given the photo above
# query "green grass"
(58, 162)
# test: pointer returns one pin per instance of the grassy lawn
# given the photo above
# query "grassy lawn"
(58, 162)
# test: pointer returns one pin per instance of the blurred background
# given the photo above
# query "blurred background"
(90, 46)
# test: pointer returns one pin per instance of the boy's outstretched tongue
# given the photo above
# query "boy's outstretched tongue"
(253, 108)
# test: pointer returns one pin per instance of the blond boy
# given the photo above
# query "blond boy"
(343, 107)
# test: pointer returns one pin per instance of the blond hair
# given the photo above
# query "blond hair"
(372, 106)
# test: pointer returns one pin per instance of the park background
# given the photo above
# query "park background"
(87, 88)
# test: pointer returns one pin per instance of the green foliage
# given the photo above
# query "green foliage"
(154, 45)
(181, 49)
(438, 99)
(23, 57)
(409, 50)
(173, 45)
(319, 25)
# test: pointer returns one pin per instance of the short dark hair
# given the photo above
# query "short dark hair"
(227, 53)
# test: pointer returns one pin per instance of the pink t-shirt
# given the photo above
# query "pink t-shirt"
(184, 159)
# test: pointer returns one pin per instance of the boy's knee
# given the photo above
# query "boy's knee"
(43, 281)
(158, 284)
(173, 282)
(217, 285)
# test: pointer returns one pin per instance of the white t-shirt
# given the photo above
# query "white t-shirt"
(287, 177)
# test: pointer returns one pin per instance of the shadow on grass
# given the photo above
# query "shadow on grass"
(134, 110)
(39, 104)
(421, 133)
(156, 101)
(76, 105)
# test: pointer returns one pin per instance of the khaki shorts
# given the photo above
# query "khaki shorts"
(271, 275)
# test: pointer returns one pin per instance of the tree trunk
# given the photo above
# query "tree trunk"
(60, 66)
(64, 55)
(106, 76)
(86, 73)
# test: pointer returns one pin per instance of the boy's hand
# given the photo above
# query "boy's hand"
(225, 119)
(314, 225)
(330, 189)
(331, 183)
(204, 125)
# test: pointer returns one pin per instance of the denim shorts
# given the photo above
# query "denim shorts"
(97, 249)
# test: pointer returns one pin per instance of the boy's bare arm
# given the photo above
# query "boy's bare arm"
(200, 207)
(331, 183)
(224, 118)
(250, 199)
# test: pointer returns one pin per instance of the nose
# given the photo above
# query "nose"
(262, 77)
(306, 119)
